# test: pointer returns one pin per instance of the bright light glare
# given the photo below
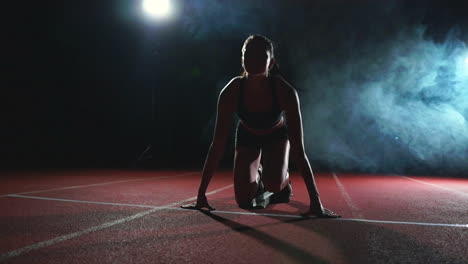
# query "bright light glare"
(157, 8)
(466, 60)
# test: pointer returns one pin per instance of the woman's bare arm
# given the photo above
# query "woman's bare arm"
(296, 138)
(225, 109)
(224, 113)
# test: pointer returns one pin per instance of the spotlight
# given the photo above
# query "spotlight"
(157, 8)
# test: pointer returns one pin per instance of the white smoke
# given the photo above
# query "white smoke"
(405, 104)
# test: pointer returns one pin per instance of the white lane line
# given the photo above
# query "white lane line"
(80, 201)
(344, 219)
(351, 204)
(403, 223)
(257, 214)
(169, 207)
(109, 203)
(438, 186)
(98, 184)
(59, 239)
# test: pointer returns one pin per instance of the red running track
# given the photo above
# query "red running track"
(111, 216)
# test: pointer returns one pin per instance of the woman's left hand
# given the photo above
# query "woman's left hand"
(321, 213)
(199, 204)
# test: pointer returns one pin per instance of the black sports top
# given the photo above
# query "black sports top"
(259, 120)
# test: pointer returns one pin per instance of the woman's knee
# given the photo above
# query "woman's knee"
(273, 186)
(244, 203)
(244, 185)
(275, 182)
(244, 197)
(245, 188)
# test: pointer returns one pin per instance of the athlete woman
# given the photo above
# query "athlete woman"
(263, 101)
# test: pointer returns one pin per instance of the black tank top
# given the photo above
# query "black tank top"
(259, 120)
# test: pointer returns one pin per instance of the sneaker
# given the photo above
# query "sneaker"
(261, 186)
(282, 196)
(261, 201)
(262, 197)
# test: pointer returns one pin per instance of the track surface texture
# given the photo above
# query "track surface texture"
(125, 216)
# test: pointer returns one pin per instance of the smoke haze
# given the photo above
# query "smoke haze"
(378, 91)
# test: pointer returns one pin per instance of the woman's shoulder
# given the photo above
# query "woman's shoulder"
(229, 93)
(232, 86)
(285, 89)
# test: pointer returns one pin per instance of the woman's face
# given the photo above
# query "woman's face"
(256, 60)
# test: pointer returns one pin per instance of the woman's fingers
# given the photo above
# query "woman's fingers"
(196, 206)
(207, 205)
(203, 202)
(324, 213)
(189, 206)
(330, 213)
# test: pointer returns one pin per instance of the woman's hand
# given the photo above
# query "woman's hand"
(199, 204)
(321, 213)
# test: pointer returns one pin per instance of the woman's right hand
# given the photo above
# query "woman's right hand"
(199, 204)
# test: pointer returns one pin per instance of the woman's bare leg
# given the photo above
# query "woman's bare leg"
(246, 163)
(275, 165)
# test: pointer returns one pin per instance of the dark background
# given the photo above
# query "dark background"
(382, 84)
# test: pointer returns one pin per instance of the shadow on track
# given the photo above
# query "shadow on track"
(297, 254)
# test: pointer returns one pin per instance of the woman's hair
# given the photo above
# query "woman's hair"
(265, 42)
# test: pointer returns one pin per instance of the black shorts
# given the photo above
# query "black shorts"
(245, 138)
